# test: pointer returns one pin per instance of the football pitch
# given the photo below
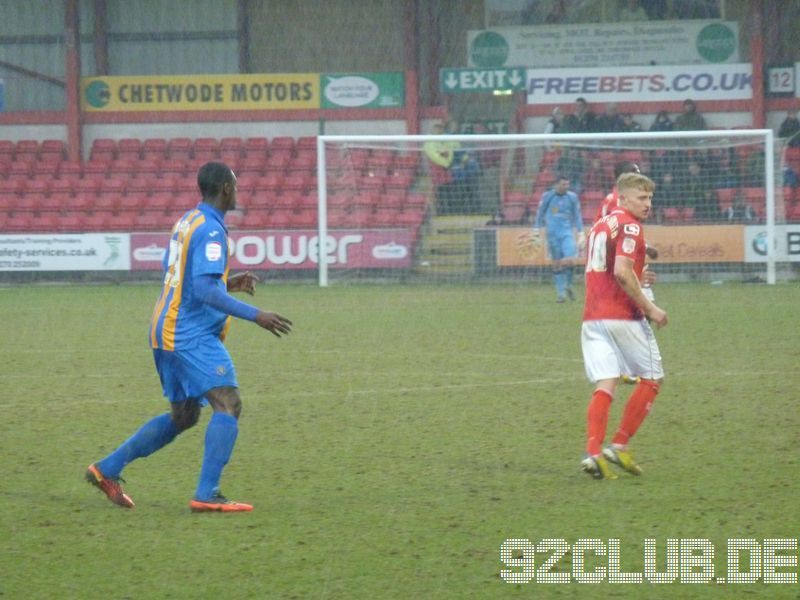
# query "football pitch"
(392, 444)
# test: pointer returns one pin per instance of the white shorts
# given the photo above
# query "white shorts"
(612, 348)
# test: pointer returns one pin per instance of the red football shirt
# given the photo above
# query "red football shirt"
(617, 234)
(609, 203)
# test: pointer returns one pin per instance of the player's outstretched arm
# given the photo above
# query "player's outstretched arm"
(209, 290)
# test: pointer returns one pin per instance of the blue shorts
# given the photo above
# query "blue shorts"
(562, 246)
(190, 373)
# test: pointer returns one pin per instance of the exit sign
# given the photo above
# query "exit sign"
(453, 81)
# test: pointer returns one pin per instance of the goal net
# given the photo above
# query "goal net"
(459, 208)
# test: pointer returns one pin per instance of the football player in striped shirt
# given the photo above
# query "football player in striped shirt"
(187, 330)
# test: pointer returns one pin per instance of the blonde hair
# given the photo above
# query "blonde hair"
(628, 181)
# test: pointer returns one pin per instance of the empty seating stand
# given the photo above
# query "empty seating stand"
(145, 184)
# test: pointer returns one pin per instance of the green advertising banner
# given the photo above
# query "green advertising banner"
(362, 90)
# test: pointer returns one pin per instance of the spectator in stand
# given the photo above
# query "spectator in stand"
(571, 165)
(666, 195)
(465, 169)
(740, 211)
(609, 121)
(754, 169)
(698, 193)
(629, 124)
(498, 218)
(790, 178)
(790, 128)
(662, 122)
(690, 119)
(440, 154)
(581, 121)
(556, 122)
(596, 178)
(632, 11)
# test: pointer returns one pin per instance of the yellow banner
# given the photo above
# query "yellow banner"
(690, 244)
(201, 92)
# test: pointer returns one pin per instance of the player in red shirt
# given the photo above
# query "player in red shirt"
(611, 202)
(616, 337)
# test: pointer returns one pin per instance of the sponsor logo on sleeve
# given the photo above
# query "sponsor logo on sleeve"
(631, 229)
(213, 251)
(628, 244)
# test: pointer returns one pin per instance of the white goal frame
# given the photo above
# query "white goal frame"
(769, 168)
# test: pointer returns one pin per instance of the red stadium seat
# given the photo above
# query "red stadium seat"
(70, 169)
(52, 148)
(26, 150)
(234, 219)
(87, 186)
(70, 223)
(381, 159)
(282, 143)
(19, 223)
(232, 158)
(96, 221)
(154, 149)
(174, 167)
(96, 167)
(7, 150)
(180, 148)
(46, 223)
(305, 162)
(252, 166)
(231, 144)
(306, 142)
(206, 144)
(29, 202)
(256, 146)
(296, 183)
(129, 149)
(278, 162)
(19, 169)
(38, 186)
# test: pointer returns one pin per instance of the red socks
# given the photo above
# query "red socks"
(597, 420)
(636, 410)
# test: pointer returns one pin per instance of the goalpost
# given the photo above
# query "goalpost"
(388, 210)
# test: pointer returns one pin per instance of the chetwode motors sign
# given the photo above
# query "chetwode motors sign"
(294, 249)
(273, 91)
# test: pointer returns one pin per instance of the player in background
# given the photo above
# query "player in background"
(616, 337)
(560, 212)
(187, 330)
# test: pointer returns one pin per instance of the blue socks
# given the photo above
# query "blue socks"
(220, 438)
(154, 434)
(563, 280)
(160, 431)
